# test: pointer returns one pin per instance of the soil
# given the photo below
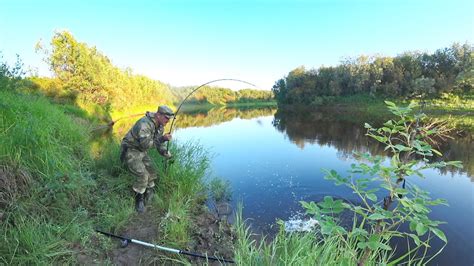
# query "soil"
(212, 235)
(141, 227)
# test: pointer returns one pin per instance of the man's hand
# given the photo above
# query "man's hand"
(167, 155)
(167, 137)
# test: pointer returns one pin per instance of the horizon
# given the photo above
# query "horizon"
(184, 43)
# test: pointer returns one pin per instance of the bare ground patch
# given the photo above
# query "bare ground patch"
(211, 235)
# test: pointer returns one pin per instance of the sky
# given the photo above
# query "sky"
(188, 43)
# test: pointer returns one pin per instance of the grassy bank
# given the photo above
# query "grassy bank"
(59, 184)
(372, 107)
(192, 108)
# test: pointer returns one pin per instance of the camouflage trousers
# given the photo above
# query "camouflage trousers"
(141, 166)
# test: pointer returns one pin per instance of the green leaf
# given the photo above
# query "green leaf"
(362, 245)
(415, 238)
(439, 234)
(389, 123)
(419, 208)
(412, 226)
(373, 245)
(402, 148)
(387, 187)
(401, 191)
(359, 210)
(382, 139)
(437, 152)
(386, 129)
(366, 125)
(457, 164)
(372, 197)
(384, 246)
(327, 228)
(421, 229)
(359, 232)
(439, 202)
(311, 207)
(376, 216)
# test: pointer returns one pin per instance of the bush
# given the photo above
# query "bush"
(376, 221)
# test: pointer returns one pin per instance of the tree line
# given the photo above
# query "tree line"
(85, 76)
(221, 96)
(411, 74)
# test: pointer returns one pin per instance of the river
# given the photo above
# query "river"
(273, 160)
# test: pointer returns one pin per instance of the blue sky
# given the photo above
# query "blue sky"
(192, 42)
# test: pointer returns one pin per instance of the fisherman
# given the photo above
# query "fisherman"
(147, 132)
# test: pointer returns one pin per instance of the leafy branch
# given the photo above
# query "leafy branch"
(409, 141)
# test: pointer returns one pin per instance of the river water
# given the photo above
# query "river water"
(273, 160)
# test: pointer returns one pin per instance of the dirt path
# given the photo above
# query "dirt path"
(141, 227)
(210, 234)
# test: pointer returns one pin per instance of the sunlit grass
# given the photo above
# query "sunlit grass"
(34, 241)
(69, 184)
(77, 184)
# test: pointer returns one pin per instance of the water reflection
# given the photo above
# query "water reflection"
(342, 130)
(347, 134)
(199, 118)
(218, 115)
(274, 159)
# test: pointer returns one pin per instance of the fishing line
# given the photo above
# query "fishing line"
(193, 91)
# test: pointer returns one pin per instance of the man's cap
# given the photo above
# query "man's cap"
(165, 110)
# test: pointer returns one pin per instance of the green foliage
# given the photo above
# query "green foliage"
(181, 191)
(409, 75)
(40, 136)
(301, 248)
(454, 103)
(43, 153)
(280, 91)
(220, 190)
(60, 185)
(83, 72)
(221, 96)
(33, 242)
(11, 76)
(219, 115)
(408, 141)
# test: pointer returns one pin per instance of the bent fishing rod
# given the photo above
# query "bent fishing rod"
(197, 88)
(191, 93)
(112, 123)
(125, 241)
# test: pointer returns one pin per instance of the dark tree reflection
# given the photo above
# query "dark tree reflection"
(345, 131)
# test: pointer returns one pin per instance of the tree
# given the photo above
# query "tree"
(90, 75)
(280, 91)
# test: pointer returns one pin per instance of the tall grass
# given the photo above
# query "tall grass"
(61, 185)
(181, 191)
(40, 141)
(297, 248)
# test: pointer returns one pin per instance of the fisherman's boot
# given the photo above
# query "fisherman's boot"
(139, 204)
(149, 193)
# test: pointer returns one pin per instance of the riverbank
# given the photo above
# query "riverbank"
(458, 109)
(446, 101)
(194, 108)
(59, 185)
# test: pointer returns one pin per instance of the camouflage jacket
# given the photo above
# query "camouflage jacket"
(145, 134)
